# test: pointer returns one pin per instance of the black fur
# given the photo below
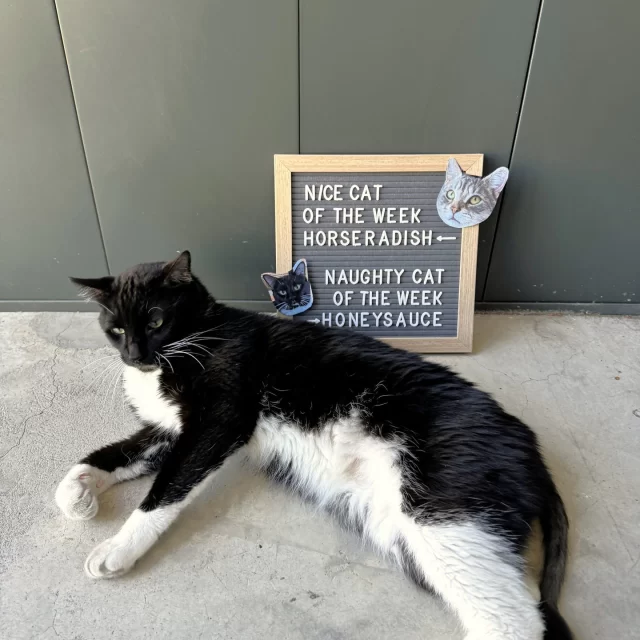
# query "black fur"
(555, 626)
(467, 458)
(133, 449)
(555, 526)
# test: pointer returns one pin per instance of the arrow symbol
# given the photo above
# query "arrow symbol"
(315, 321)
(441, 238)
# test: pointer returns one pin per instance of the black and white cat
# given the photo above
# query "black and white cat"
(427, 469)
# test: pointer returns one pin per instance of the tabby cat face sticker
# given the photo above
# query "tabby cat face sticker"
(464, 200)
(290, 292)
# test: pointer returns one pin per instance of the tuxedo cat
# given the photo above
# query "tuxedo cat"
(426, 468)
(290, 292)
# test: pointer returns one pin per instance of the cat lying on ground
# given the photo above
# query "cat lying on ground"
(426, 468)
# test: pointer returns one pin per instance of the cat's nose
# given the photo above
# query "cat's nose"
(454, 208)
(135, 353)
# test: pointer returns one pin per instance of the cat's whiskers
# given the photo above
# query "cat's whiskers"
(167, 360)
(113, 376)
(113, 386)
(186, 345)
(198, 346)
(94, 362)
(193, 337)
(101, 376)
(186, 353)
(195, 341)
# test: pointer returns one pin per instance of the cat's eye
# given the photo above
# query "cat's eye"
(283, 292)
(451, 194)
(296, 287)
(475, 200)
(155, 324)
(117, 331)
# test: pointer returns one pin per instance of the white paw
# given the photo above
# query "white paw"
(77, 494)
(110, 559)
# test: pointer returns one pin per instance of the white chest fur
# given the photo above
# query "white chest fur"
(142, 389)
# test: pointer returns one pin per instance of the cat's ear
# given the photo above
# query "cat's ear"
(496, 180)
(300, 267)
(453, 170)
(270, 280)
(178, 271)
(97, 289)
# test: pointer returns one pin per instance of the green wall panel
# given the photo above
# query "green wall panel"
(570, 219)
(411, 76)
(48, 224)
(182, 106)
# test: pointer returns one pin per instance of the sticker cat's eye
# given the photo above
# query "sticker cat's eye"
(296, 287)
(475, 200)
(117, 331)
(451, 194)
(283, 292)
(155, 324)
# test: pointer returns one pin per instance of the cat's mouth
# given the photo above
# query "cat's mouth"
(146, 367)
(141, 366)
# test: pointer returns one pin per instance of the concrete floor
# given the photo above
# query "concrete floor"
(245, 561)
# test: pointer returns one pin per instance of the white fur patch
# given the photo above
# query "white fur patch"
(339, 463)
(471, 569)
(142, 389)
(77, 494)
(117, 555)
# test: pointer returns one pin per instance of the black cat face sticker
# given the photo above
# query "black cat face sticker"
(290, 292)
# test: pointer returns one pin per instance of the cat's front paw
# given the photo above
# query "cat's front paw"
(110, 559)
(77, 494)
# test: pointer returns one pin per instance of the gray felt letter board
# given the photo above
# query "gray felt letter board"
(379, 258)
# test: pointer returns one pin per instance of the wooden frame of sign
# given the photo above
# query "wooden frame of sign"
(286, 165)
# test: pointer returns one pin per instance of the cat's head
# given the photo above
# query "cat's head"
(291, 291)
(146, 307)
(466, 200)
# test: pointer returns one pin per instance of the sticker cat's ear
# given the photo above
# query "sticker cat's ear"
(496, 180)
(94, 288)
(178, 271)
(300, 267)
(453, 170)
(269, 280)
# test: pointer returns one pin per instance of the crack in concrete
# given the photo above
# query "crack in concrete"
(562, 372)
(617, 528)
(55, 614)
(504, 373)
(50, 401)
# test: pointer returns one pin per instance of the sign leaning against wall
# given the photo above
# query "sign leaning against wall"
(385, 245)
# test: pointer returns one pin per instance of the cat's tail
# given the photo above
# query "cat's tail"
(555, 530)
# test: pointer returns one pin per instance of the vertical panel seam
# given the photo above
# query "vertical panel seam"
(525, 86)
(84, 149)
(299, 84)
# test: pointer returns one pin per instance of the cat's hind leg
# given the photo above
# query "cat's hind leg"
(476, 574)
(140, 454)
